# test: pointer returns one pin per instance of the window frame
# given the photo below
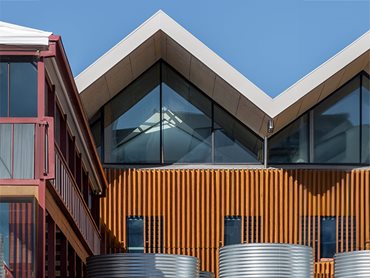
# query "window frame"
(99, 116)
(9, 59)
(309, 114)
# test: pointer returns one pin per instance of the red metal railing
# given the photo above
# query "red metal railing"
(66, 186)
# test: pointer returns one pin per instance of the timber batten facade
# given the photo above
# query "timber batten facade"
(276, 206)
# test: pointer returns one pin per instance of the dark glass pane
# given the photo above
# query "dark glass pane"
(58, 126)
(365, 157)
(187, 123)
(23, 90)
(4, 86)
(132, 122)
(337, 126)
(291, 144)
(96, 133)
(234, 143)
(232, 230)
(5, 151)
(328, 237)
(135, 234)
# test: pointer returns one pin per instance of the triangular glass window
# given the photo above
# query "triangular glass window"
(162, 119)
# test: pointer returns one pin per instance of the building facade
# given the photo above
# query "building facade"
(197, 157)
(160, 146)
(50, 175)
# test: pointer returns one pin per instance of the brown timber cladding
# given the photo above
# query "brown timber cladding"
(276, 205)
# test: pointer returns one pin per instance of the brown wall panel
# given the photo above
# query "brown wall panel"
(275, 205)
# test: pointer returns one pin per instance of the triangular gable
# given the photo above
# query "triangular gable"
(160, 37)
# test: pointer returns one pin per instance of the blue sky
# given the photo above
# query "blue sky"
(273, 43)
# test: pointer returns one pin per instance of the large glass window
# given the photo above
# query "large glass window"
(187, 121)
(337, 126)
(132, 122)
(233, 142)
(232, 230)
(365, 155)
(17, 237)
(18, 89)
(336, 131)
(135, 234)
(291, 144)
(17, 151)
(162, 118)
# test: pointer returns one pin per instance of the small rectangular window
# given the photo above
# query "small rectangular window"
(328, 240)
(232, 230)
(135, 234)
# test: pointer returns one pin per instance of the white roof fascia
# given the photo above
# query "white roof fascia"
(118, 52)
(161, 21)
(11, 34)
(272, 107)
(320, 74)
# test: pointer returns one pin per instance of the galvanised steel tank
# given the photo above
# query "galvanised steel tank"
(206, 274)
(266, 260)
(352, 264)
(142, 265)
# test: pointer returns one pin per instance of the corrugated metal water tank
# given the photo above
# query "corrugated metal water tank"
(142, 265)
(354, 264)
(206, 274)
(266, 260)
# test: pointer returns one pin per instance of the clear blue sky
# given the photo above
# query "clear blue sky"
(273, 43)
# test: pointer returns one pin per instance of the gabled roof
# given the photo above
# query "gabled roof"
(11, 34)
(160, 37)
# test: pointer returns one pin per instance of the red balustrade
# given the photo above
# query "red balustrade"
(68, 190)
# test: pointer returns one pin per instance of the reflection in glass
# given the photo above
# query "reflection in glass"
(23, 90)
(234, 143)
(23, 151)
(96, 133)
(17, 237)
(135, 234)
(232, 230)
(187, 122)
(365, 156)
(171, 121)
(291, 144)
(132, 122)
(5, 151)
(328, 240)
(4, 86)
(337, 126)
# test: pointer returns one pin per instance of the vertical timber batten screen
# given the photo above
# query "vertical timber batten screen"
(193, 204)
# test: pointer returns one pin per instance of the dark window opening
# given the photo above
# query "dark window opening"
(328, 238)
(135, 234)
(232, 230)
(18, 88)
(162, 118)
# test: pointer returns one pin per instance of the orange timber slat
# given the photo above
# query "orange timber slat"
(185, 209)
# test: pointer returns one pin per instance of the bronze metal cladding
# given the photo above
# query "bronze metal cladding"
(184, 210)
